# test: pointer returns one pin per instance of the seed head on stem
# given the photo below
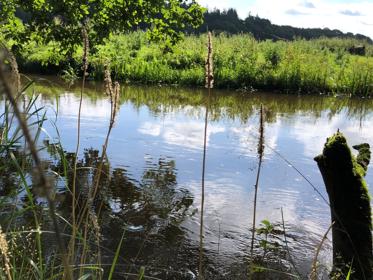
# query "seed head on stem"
(209, 67)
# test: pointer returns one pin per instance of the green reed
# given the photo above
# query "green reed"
(241, 62)
(29, 173)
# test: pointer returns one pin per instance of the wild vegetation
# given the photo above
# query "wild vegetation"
(75, 252)
(85, 185)
(241, 62)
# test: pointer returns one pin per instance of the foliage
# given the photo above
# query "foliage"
(240, 62)
(62, 20)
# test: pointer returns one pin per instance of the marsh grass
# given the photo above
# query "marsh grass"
(241, 62)
(82, 260)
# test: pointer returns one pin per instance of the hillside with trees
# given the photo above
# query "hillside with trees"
(262, 29)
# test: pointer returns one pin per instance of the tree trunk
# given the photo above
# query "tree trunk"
(343, 176)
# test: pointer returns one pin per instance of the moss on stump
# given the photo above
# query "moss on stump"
(343, 176)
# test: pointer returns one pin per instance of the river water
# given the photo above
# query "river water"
(154, 192)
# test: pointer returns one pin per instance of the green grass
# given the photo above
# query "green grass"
(240, 62)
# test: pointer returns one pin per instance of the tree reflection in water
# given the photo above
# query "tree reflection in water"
(150, 210)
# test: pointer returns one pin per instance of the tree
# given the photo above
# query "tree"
(262, 29)
(62, 20)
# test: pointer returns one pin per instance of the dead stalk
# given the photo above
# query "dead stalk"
(4, 250)
(113, 91)
(14, 67)
(260, 155)
(313, 275)
(209, 76)
(85, 40)
(286, 242)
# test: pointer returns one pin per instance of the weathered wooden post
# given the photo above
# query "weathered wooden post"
(343, 176)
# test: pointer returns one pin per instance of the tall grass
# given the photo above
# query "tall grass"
(85, 41)
(315, 66)
(43, 182)
(82, 260)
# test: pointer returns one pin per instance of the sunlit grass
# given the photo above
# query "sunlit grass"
(316, 66)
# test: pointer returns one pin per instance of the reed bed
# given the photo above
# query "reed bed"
(75, 253)
(241, 62)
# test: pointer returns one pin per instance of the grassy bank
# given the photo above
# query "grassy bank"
(316, 66)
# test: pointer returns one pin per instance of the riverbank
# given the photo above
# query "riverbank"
(240, 62)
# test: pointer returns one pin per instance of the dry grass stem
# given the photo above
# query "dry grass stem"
(4, 249)
(14, 67)
(85, 40)
(85, 49)
(43, 181)
(113, 91)
(115, 102)
(107, 81)
(209, 66)
(313, 275)
(260, 155)
(209, 85)
(286, 243)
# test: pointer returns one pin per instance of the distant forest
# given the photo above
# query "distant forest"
(262, 29)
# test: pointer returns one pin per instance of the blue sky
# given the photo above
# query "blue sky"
(347, 15)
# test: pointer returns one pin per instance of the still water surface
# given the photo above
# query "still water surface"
(155, 154)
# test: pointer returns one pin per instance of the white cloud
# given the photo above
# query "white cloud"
(313, 133)
(247, 137)
(100, 110)
(185, 134)
(151, 129)
(325, 14)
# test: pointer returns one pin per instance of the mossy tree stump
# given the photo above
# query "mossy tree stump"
(343, 176)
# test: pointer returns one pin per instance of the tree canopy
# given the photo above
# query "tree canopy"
(62, 20)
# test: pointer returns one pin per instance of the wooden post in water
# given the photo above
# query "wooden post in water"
(343, 176)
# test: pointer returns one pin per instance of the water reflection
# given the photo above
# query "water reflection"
(150, 211)
(151, 187)
(185, 134)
